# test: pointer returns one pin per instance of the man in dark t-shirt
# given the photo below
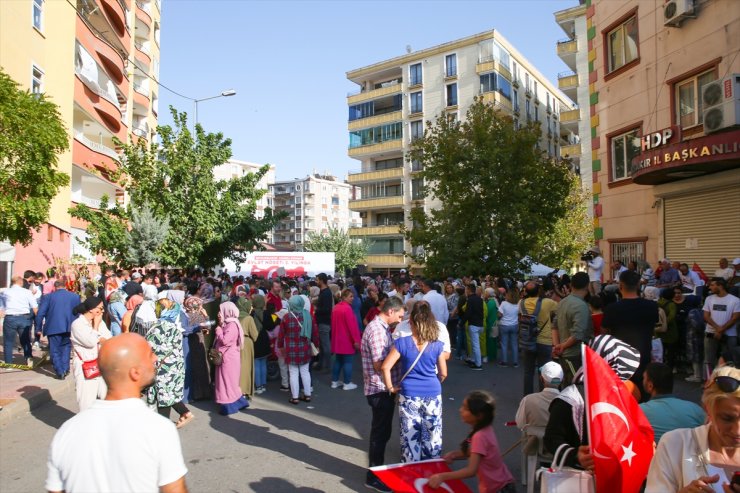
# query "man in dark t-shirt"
(632, 320)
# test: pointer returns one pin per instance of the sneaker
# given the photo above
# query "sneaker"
(516, 365)
(485, 359)
(36, 345)
(29, 362)
(335, 385)
(377, 485)
(693, 378)
(284, 389)
(350, 386)
(477, 368)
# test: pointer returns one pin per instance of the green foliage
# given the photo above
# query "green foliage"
(500, 195)
(146, 236)
(106, 230)
(32, 136)
(208, 219)
(348, 252)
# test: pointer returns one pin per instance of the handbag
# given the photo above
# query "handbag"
(314, 349)
(90, 368)
(560, 479)
(215, 357)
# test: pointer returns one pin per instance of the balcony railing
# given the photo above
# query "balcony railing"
(97, 146)
(145, 6)
(143, 46)
(105, 91)
(91, 202)
(141, 88)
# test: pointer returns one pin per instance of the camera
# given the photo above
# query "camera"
(587, 257)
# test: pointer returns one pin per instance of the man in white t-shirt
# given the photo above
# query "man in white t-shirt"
(725, 271)
(403, 329)
(595, 266)
(119, 445)
(437, 302)
(721, 313)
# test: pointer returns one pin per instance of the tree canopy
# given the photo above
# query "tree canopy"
(208, 219)
(497, 199)
(348, 251)
(32, 136)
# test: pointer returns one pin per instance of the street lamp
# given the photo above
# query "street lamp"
(224, 94)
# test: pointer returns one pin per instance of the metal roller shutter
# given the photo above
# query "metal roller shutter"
(703, 227)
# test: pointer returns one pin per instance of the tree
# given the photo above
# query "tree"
(209, 219)
(146, 236)
(500, 195)
(32, 136)
(348, 252)
(106, 230)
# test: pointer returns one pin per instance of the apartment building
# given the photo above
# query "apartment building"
(664, 100)
(314, 204)
(575, 121)
(234, 168)
(98, 60)
(394, 100)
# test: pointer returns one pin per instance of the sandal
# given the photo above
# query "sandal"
(184, 419)
(306, 398)
(294, 401)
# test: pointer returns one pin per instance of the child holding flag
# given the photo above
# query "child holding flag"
(480, 448)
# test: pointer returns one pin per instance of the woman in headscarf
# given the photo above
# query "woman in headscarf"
(197, 368)
(246, 381)
(131, 305)
(261, 345)
(210, 305)
(165, 338)
(88, 333)
(229, 342)
(116, 310)
(146, 315)
(298, 331)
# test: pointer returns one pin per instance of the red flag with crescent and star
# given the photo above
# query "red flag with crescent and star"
(620, 435)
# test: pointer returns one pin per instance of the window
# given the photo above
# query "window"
(451, 94)
(389, 163)
(417, 189)
(536, 112)
(416, 102)
(38, 14)
(516, 101)
(628, 251)
(495, 82)
(417, 130)
(415, 74)
(389, 218)
(37, 80)
(335, 201)
(526, 81)
(451, 65)
(624, 148)
(528, 110)
(381, 246)
(688, 98)
(622, 44)
(375, 135)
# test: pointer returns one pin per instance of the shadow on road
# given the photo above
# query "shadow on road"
(50, 413)
(273, 485)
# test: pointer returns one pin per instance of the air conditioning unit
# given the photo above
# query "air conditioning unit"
(675, 11)
(721, 100)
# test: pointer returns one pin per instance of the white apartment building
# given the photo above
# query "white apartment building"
(314, 204)
(234, 168)
(394, 100)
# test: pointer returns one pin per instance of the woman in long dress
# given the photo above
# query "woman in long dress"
(249, 329)
(197, 367)
(229, 342)
(261, 346)
(88, 333)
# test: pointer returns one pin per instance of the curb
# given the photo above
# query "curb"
(34, 399)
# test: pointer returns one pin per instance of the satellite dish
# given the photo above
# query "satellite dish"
(408, 48)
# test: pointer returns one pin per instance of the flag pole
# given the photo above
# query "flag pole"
(585, 393)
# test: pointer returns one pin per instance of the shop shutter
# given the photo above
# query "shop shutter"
(703, 227)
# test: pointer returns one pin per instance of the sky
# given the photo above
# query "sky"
(287, 62)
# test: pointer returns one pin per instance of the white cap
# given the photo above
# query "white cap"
(736, 261)
(403, 271)
(552, 373)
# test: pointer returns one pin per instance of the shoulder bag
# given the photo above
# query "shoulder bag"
(414, 363)
(90, 368)
(561, 479)
(314, 349)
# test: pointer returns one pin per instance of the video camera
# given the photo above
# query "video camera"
(588, 256)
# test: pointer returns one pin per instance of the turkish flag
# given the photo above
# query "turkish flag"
(701, 273)
(412, 477)
(620, 435)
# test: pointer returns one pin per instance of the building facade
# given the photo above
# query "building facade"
(98, 60)
(236, 169)
(314, 204)
(664, 102)
(395, 99)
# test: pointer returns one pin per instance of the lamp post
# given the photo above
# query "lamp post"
(224, 94)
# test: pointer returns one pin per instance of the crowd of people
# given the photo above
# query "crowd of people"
(218, 337)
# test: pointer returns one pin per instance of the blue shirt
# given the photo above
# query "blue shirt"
(667, 412)
(422, 380)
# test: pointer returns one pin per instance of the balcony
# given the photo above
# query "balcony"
(88, 188)
(375, 230)
(374, 121)
(572, 150)
(86, 151)
(144, 12)
(568, 83)
(357, 177)
(495, 98)
(567, 50)
(140, 127)
(375, 93)
(387, 260)
(112, 14)
(488, 64)
(107, 54)
(144, 50)
(383, 202)
(368, 150)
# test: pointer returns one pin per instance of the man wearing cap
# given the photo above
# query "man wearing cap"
(595, 267)
(534, 409)
(133, 287)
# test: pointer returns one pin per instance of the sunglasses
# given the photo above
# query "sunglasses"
(727, 384)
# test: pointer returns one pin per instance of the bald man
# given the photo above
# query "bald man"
(118, 444)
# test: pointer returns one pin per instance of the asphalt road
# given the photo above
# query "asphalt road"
(277, 447)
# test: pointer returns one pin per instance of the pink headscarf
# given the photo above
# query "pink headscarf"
(230, 315)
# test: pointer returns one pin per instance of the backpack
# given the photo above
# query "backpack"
(528, 328)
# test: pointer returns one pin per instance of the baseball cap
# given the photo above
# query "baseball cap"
(552, 373)
(736, 261)
(403, 271)
(135, 275)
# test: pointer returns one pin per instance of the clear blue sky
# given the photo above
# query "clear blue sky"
(287, 61)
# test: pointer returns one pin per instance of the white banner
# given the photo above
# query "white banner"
(291, 264)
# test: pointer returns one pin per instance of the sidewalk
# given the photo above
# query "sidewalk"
(24, 390)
